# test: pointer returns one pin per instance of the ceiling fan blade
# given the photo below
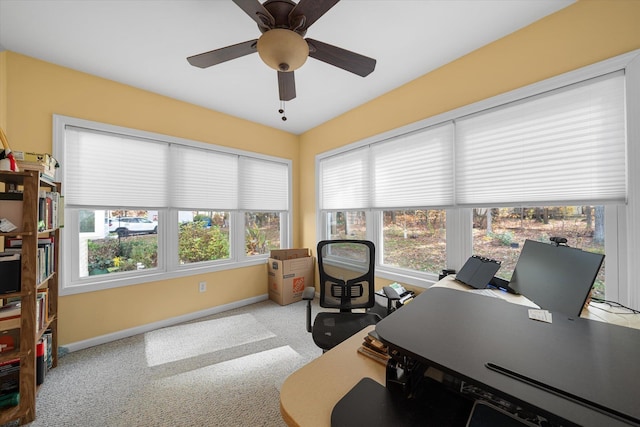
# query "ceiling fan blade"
(286, 85)
(257, 12)
(341, 58)
(207, 59)
(312, 10)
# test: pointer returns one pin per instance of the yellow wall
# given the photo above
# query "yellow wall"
(32, 90)
(36, 90)
(583, 33)
(3, 90)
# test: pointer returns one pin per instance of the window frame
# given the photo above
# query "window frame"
(168, 262)
(622, 226)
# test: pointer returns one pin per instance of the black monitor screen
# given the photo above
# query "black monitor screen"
(557, 278)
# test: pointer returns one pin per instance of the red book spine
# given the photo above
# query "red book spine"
(40, 365)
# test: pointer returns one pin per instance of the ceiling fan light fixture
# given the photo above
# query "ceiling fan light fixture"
(283, 50)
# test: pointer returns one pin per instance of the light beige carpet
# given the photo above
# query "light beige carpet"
(222, 370)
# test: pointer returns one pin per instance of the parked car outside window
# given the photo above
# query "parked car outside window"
(125, 226)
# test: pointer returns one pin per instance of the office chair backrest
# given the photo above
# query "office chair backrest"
(346, 274)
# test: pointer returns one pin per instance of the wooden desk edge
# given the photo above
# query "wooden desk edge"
(308, 395)
(287, 418)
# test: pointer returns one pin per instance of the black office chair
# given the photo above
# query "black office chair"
(346, 283)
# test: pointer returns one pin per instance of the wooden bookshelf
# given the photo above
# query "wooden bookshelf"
(31, 184)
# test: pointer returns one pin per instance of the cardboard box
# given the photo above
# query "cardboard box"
(290, 271)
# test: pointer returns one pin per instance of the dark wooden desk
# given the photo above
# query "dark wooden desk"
(460, 333)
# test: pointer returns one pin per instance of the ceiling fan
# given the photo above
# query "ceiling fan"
(283, 24)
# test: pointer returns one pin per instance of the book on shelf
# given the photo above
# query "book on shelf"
(47, 336)
(10, 310)
(45, 256)
(12, 242)
(9, 399)
(11, 195)
(48, 261)
(41, 162)
(48, 210)
(9, 376)
(11, 251)
(42, 308)
(40, 167)
(9, 256)
(9, 340)
(41, 364)
(10, 316)
(16, 242)
(11, 323)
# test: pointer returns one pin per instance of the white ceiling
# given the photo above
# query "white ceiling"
(145, 43)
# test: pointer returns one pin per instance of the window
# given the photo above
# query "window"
(111, 242)
(404, 179)
(262, 232)
(349, 225)
(203, 236)
(414, 239)
(142, 206)
(554, 158)
(561, 146)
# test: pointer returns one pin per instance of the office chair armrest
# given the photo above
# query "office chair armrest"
(309, 293)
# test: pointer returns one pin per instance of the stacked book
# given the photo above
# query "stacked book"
(42, 162)
(10, 326)
(375, 349)
(10, 382)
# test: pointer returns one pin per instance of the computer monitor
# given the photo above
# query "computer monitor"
(557, 278)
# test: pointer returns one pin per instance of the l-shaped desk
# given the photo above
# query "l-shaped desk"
(582, 371)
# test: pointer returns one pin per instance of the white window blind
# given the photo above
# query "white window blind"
(110, 170)
(344, 180)
(204, 179)
(264, 185)
(414, 170)
(561, 147)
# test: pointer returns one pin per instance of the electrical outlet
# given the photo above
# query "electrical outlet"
(203, 286)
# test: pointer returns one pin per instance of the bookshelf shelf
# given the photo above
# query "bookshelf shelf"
(16, 234)
(9, 414)
(37, 241)
(10, 355)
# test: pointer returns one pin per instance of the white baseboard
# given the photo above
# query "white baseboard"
(103, 339)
